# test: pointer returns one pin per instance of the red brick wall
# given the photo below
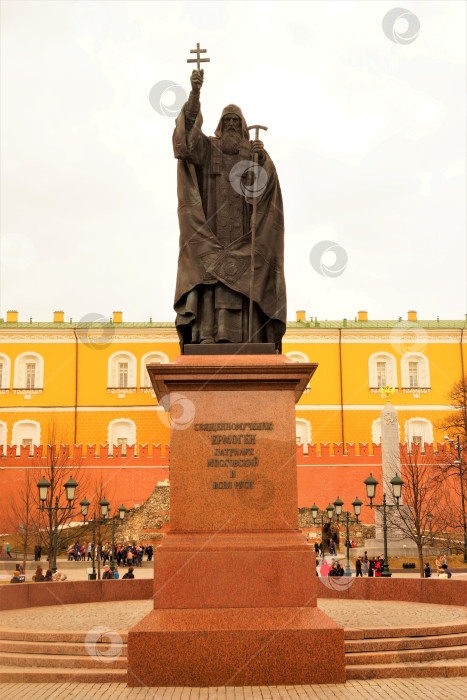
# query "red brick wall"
(324, 474)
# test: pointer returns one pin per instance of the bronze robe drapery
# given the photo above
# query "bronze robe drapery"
(213, 279)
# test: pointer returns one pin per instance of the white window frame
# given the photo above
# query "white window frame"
(113, 370)
(297, 356)
(305, 428)
(423, 372)
(3, 436)
(20, 374)
(391, 370)
(382, 382)
(115, 434)
(123, 374)
(31, 371)
(33, 433)
(414, 376)
(6, 372)
(376, 431)
(147, 359)
(418, 426)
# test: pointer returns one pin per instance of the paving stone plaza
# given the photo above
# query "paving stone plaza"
(394, 689)
(122, 615)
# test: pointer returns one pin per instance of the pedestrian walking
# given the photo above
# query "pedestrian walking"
(358, 567)
(8, 550)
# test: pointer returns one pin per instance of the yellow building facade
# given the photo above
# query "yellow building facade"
(86, 382)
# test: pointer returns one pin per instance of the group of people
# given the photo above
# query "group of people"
(369, 566)
(442, 568)
(123, 555)
(109, 574)
(364, 566)
(40, 577)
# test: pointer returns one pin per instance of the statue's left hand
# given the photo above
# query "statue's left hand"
(256, 146)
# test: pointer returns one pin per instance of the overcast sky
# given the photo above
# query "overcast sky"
(367, 135)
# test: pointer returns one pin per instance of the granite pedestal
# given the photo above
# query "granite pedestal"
(234, 580)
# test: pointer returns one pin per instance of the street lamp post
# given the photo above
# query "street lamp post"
(357, 509)
(371, 484)
(430, 518)
(70, 489)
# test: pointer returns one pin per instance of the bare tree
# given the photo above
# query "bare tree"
(99, 530)
(452, 481)
(453, 464)
(57, 467)
(455, 423)
(20, 514)
(420, 497)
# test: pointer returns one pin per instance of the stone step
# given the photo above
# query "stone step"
(11, 674)
(63, 662)
(448, 668)
(60, 648)
(405, 656)
(397, 643)
(50, 636)
(390, 632)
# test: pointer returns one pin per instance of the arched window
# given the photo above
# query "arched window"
(122, 432)
(121, 372)
(415, 372)
(303, 433)
(5, 365)
(26, 433)
(29, 372)
(297, 356)
(3, 437)
(151, 358)
(376, 431)
(382, 370)
(418, 431)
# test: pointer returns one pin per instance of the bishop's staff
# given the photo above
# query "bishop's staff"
(257, 127)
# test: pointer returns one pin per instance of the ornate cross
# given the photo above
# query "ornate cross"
(198, 58)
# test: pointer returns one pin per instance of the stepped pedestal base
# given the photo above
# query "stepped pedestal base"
(237, 647)
(235, 609)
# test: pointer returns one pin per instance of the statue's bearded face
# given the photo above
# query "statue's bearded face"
(231, 133)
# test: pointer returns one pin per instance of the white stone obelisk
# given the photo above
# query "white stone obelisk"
(391, 461)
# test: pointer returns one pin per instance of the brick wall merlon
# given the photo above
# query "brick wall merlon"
(86, 455)
(158, 455)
